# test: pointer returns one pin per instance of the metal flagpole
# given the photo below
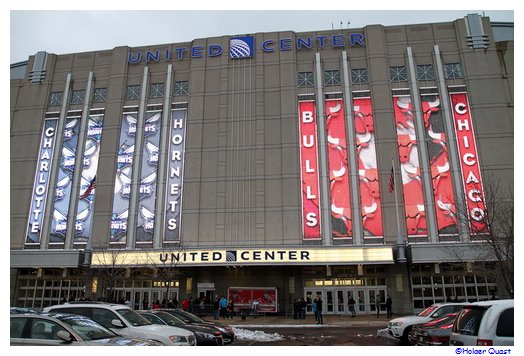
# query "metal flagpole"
(401, 257)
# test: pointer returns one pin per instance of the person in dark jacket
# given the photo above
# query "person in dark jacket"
(318, 302)
(388, 306)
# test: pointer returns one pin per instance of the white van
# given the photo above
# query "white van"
(126, 322)
(489, 323)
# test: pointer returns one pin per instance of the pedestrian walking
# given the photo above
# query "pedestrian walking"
(388, 306)
(254, 307)
(351, 306)
(303, 306)
(320, 319)
(296, 309)
(231, 308)
(223, 307)
(314, 308)
(377, 305)
(216, 308)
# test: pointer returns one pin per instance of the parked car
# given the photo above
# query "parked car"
(18, 310)
(434, 332)
(227, 331)
(489, 323)
(205, 335)
(66, 330)
(126, 322)
(401, 327)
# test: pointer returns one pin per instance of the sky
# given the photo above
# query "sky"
(79, 30)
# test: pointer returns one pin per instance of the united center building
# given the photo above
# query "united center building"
(334, 162)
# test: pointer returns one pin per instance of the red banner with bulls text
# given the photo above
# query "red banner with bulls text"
(341, 225)
(309, 170)
(371, 210)
(469, 162)
(415, 212)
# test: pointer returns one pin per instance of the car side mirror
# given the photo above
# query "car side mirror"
(117, 323)
(65, 336)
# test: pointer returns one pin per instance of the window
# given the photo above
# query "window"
(332, 77)
(44, 329)
(55, 99)
(359, 76)
(100, 95)
(305, 79)
(156, 90)
(505, 326)
(181, 88)
(133, 92)
(425, 72)
(398, 74)
(468, 321)
(78, 96)
(453, 71)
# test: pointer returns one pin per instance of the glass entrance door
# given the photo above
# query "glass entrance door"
(335, 300)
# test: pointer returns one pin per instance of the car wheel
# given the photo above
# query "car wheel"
(405, 336)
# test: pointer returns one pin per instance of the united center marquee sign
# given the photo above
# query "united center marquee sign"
(245, 47)
(243, 257)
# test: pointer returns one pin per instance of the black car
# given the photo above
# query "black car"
(205, 335)
(227, 331)
(434, 332)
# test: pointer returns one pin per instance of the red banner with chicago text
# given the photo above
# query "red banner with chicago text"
(469, 163)
(309, 170)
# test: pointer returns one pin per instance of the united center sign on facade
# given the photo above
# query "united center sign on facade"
(245, 47)
(236, 257)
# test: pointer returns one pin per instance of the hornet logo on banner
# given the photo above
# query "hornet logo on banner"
(241, 47)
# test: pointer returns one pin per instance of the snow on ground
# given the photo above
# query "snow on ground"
(258, 335)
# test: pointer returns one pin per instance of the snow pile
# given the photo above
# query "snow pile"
(258, 335)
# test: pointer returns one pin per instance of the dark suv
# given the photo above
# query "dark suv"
(205, 335)
(227, 331)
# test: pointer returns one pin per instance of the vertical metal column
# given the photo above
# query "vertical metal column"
(162, 160)
(137, 164)
(352, 158)
(54, 165)
(423, 152)
(324, 171)
(79, 159)
(454, 160)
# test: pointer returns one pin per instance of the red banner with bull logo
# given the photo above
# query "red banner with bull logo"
(441, 179)
(415, 212)
(338, 170)
(367, 168)
(309, 170)
(469, 163)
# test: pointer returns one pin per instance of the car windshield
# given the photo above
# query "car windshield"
(428, 310)
(170, 319)
(189, 317)
(133, 317)
(88, 329)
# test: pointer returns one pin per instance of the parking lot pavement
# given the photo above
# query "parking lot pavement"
(273, 321)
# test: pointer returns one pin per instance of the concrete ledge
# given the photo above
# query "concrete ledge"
(450, 252)
(46, 259)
